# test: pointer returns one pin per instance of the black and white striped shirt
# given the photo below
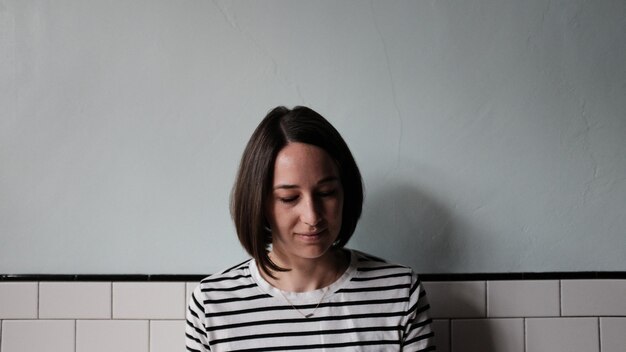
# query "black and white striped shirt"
(373, 306)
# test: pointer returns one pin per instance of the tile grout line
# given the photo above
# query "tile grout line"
(486, 299)
(450, 335)
(560, 298)
(481, 317)
(38, 297)
(179, 319)
(75, 334)
(525, 338)
(184, 299)
(599, 335)
(111, 291)
(149, 337)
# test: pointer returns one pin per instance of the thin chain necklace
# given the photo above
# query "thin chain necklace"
(337, 275)
(298, 310)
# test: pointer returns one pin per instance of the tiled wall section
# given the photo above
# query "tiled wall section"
(511, 316)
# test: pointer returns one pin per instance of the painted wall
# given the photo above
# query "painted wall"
(491, 134)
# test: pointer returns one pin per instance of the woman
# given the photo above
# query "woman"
(296, 203)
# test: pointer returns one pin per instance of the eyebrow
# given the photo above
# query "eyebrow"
(322, 181)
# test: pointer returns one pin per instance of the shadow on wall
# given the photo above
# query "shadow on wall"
(410, 226)
(404, 224)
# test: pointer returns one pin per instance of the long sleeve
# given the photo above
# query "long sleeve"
(195, 332)
(418, 334)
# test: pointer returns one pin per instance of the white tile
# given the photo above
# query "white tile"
(488, 335)
(459, 299)
(111, 335)
(441, 327)
(525, 298)
(18, 300)
(148, 300)
(562, 335)
(37, 335)
(75, 300)
(190, 286)
(593, 297)
(613, 334)
(167, 335)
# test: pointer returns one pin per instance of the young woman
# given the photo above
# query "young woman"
(296, 203)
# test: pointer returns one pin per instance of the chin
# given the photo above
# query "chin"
(315, 253)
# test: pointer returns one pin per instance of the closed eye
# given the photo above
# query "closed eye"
(288, 199)
(327, 193)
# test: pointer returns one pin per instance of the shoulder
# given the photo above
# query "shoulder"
(225, 280)
(368, 262)
(377, 272)
(372, 268)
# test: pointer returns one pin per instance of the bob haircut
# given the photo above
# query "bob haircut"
(255, 178)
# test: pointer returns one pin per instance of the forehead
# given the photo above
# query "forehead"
(300, 163)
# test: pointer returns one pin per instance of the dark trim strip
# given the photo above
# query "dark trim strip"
(557, 275)
(99, 277)
(563, 275)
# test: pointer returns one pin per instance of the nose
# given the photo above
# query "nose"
(311, 213)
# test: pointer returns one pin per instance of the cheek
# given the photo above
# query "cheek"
(336, 210)
(338, 207)
(272, 214)
(281, 218)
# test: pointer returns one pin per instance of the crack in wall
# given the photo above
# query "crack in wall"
(8, 50)
(392, 87)
(583, 134)
(232, 21)
(594, 162)
(535, 34)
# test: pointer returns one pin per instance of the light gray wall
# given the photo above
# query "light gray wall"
(491, 134)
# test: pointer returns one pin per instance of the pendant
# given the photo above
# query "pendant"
(308, 315)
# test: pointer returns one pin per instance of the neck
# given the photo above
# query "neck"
(308, 274)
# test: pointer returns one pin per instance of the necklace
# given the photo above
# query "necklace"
(298, 310)
(336, 276)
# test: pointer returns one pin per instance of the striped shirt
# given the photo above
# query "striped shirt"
(373, 306)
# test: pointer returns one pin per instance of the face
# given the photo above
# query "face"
(305, 207)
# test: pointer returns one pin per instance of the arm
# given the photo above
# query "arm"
(418, 334)
(195, 333)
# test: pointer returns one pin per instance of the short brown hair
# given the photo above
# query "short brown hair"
(256, 176)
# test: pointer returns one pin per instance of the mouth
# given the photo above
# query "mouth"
(311, 236)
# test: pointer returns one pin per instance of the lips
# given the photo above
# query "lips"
(310, 236)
